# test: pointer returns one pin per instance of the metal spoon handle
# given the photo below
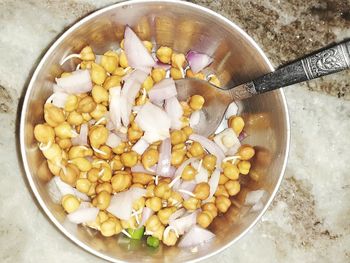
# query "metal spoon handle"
(327, 61)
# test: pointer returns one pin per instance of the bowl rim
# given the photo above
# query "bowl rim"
(78, 24)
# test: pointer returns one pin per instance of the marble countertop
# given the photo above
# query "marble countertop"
(309, 220)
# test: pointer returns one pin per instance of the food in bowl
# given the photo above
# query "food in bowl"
(124, 152)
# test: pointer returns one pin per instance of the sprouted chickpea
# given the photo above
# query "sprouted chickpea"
(78, 140)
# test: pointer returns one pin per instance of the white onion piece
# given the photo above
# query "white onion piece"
(146, 213)
(58, 99)
(163, 167)
(202, 176)
(198, 61)
(124, 109)
(174, 110)
(162, 65)
(183, 224)
(165, 89)
(53, 191)
(177, 214)
(98, 59)
(122, 136)
(213, 183)
(132, 84)
(196, 236)
(138, 168)
(187, 186)
(81, 195)
(78, 82)
(136, 53)
(154, 121)
(83, 215)
(85, 205)
(210, 146)
(232, 109)
(66, 189)
(194, 119)
(140, 146)
(230, 136)
(113, 140)
(121, 203)
(115, 107)
(82, 137)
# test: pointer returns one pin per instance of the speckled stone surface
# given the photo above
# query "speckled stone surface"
(309, 220)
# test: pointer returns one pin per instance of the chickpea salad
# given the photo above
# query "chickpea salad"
(124, 152)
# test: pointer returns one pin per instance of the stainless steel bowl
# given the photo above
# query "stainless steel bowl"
(182, 26)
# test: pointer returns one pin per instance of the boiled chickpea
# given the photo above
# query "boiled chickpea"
(92, 190)
(158, 74)
(86, 105)
(98, 135)
(86, 64)
(54, 169)
(108, 228)
(87, 53)
(86, 116)
(149, 158)
(178, 60)
(175, 198)
(53, 153)
(75, 118)
(99, 112)
(116, 163)
(112, 81)
(64, 131)
(98, 74)
(246, 152)
(142, 178)
(120, 148)
(107, 187)
(44, 133)
(192, 203)
(165, 213)
(69, 175)
(204, 219)
(155, 203)
(139, 204)
(187, 110)
(83, 185)
(211, 208)
(222, 203)
(215, 81)
(244, 167)
(236, 123)
(99, 94)
(103, 200)
(176, 73)
(177, 137)
(199, 75)
(158, 233)
(123, 61)
(177, 157)
(71, 103)
(162, 190)
(189, 173)
(105, 173)
(221, 190)
(148, 83)
(196, 102)
(102, 216)
(107, 152)
(79, 151)
(196, 149)
(129, 159)
(209, 162)
(70, 203)
(93, 175)
(109, 63)
(223, 179)
(83, 164)
(150, 190)
(148, 45)
(232, 187)
(231, 171)
(164, 54)
(134, 135)
(201, 191)
(53, 115)
(153, 223)
(64, 143)
(121, 181)
(130, 223)
(188, 131)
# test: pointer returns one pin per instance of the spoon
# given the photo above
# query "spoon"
(330, 60)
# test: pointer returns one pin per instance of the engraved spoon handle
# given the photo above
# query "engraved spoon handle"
(327, 61)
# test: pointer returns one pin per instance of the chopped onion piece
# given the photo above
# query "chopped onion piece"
(113, 140)
(138, 168)
(146, 213)
(183, 224)
(83, 215)
(137, 55)
(198, 61)
(154, 121)
(58, 99)
(163, 167)
(162, 65)
(195, 118)
(121, 203)
(165, 89)
(82, 137)
(180, 169)
(213, 183)
(210, 146)
(196, 236)
(232, 110)
(78, 82)
(115, 107)
(140, 146)
(66, 189)
(174, 110)
(227, 140)
(177, 214)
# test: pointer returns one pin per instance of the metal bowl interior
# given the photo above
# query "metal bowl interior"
(182, 26)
